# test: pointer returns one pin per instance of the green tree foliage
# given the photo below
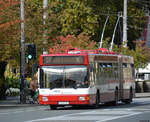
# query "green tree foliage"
(9, 31)
(89, 17)
(9, 53)
(141, 54)
(136, 20)
(35, 26)
(136, 23)
(78, 17)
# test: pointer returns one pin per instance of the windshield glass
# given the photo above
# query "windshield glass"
(64, 77)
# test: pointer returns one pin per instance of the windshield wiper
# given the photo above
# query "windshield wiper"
(52, 87)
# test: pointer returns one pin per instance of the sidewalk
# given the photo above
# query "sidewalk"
(142, 95)
(13, 102)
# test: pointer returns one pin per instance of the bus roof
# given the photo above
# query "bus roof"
(76, 57)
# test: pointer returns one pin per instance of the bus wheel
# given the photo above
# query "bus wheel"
(128, 101)
(53, 107)
(115, 102)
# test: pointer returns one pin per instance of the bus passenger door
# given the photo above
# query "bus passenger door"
(120, 68)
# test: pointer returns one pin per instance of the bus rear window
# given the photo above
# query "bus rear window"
(63, 60)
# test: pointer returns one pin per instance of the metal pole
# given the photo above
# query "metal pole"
(22, 53)
(112, 41)
(101, 42)
(125, 24)
(45, 14)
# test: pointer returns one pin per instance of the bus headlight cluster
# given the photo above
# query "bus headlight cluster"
(81, 98)
(44, 99)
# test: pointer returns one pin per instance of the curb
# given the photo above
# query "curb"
(141, 96)
(17, 105)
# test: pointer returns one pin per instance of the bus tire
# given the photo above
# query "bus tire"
(115, 102)
(128, 101)
(53, 107)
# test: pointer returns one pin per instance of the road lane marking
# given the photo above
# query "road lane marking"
(113, 118)
(18, 111)
(96, 115)
(56, 117)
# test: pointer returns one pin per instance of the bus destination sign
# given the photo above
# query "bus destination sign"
(63, 59)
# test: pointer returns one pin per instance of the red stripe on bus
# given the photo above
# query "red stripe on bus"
(72, 99)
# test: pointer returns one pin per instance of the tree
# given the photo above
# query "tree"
(35, 27)
(9, 25)
(140, 55)
(8, 32)
(78, 17)
(89, 17)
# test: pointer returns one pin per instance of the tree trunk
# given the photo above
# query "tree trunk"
(3, 84)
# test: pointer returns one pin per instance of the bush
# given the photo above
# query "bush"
(12, 92)
(12, 82)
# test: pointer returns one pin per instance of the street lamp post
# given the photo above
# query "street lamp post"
(125, 24)
(22, 53)
(45, 15)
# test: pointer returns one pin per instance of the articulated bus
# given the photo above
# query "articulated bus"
(85, 78)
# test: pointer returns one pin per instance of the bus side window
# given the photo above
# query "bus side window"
(102, 70)
(124, 65)
(115, 70)
(110, 70)
(104, 66)
(91, 74)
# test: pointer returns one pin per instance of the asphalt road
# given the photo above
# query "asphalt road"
(137, 111)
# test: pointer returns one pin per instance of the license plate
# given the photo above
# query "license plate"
(63, 103)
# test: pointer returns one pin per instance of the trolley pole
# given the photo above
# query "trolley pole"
(112, 41)
(22, 53)
(101, 42)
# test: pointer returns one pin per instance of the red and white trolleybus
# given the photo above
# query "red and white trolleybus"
(85, 77)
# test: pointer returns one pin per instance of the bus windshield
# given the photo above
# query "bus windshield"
(64, 77)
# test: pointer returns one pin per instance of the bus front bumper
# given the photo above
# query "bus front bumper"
(65, 100)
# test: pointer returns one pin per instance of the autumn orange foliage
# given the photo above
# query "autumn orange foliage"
(7, 24)
(82, 41)
(7, 3)
(4, 5)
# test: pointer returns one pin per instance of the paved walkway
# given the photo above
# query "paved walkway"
(145, 94)
(15, 101)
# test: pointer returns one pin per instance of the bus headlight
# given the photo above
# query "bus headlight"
(44, 99)
(81, 98)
